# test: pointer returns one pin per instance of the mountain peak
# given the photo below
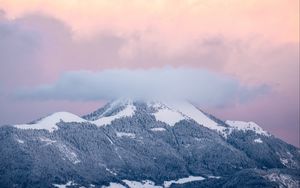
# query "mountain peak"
(49, 122)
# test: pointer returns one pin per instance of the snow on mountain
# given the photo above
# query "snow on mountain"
(133, 184)
(127, 112)
(247, 126)
(284, 180)
(183, 180)
(190, 111)
(124, 134)
(143, 184)
(285, 162)
(155, 145)
(157, 129)
(68, 153)
(169, 113)
(69, 183)
(258, 140)
(20, 141)
(49, 122)
(151, 184)
(47, 141)
(114, 185)
(166, 114)
(173, 112)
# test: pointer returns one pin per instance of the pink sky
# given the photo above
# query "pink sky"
(254, 41)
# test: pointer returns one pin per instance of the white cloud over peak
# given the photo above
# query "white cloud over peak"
(201, 86)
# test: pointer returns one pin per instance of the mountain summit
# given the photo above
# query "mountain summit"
(149, 144)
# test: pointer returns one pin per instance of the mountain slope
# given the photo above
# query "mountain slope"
(144, 144)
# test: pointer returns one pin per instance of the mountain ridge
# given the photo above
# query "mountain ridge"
(144, 144)
(163, 110)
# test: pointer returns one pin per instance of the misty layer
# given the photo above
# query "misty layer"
(201, 86)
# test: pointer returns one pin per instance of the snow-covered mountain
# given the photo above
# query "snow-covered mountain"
(169, 113)
(144, 144)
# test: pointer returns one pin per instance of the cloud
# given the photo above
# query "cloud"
(45, 46)
(196, 17)
(201, 86)
(18, 46)
(41, 41)
(38, 48)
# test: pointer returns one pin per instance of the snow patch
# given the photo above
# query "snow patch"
(110, 171)
(114, 185)
(108, 138)
(246, 126)
(47, 140)
(198, 139)
(283, 180)
(20, 141)
(183, 180)
(285, 162)
(194, 113)
(143, 184)
(69, 183)
(158, 129)
(49, 122)
(124, 134)
(68, 153)
(287, 159)
(127, 112)
(258, 140)
(168, 116)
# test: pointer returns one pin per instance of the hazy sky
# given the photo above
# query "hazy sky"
(236, 59)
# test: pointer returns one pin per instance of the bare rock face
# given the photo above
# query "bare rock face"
(144, 144)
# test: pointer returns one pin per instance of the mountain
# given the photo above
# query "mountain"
(147, 144)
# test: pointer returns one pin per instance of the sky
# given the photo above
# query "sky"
(235, 59)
